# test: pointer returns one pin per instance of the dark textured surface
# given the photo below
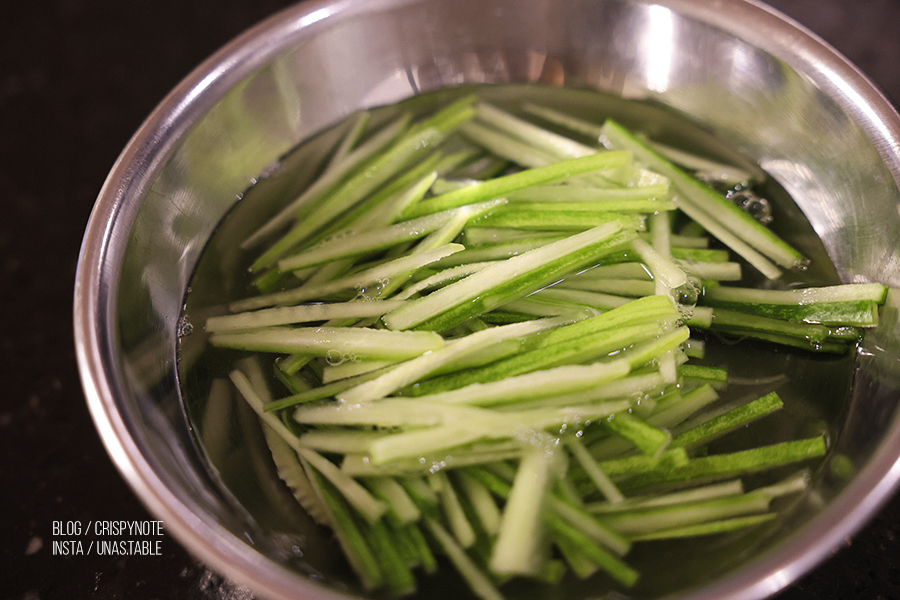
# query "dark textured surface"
(77, 77)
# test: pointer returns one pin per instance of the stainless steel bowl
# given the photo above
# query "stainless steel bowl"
(759, 82)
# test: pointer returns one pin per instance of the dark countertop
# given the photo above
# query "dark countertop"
(77, 78)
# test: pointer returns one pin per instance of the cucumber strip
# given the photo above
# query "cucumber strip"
(712, 375)
(589, 525)
(517, 276)
(706, 168)
(723, 466)
(421, 366)
(300, 314)
(482, 502)
(426, 558)
(618, 288)
(626, 270)
(604, 484)
(323, 391)
(349, 536)
(696, 316)
(684, 242)
(744, 250)
(836, 293)
(398, 576)
(713, 271)
(589, 194)
(442, 185)
(352, 368)
(356, 495)
(359, 465)
(327, 181)
(494, 483)
(574, 124)
(377, 344)
(348, 141)
(701, 255)
(400, 267)
(383, 209)
(413, 443)
(286, 372)
(661, 518)
(388, 412)
(682, 406)
(253, 399)
(557, 220)
(707, 492)
(725, 423)
(290, 365)
(421, 492)
(478, 358)
(543, 139)
(536, 384)
(645, 437)
(641, 464)
(347, 246)
(442, 278)
(486, 167)
(661, 267)
(787, 340)
(580, 564)
(484, 425)
(576, 540)
(635, 388)
(290, 470)
(482, 236)
(507, 147)
(539, 304)
(499, 251)
(480, 584)
(500, 186)
(799, 482)
(849, 304)
(812, 332)
(643, 353)
(695, 348)
(711, 528)
(456, 518)
(340, 440)
(517, 550)
(700, 197)
(856, 313)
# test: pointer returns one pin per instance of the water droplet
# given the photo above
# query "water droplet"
(184, 327)
(335, 357)
(753, 204)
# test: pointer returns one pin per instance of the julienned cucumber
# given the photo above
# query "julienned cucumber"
(522, 391)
